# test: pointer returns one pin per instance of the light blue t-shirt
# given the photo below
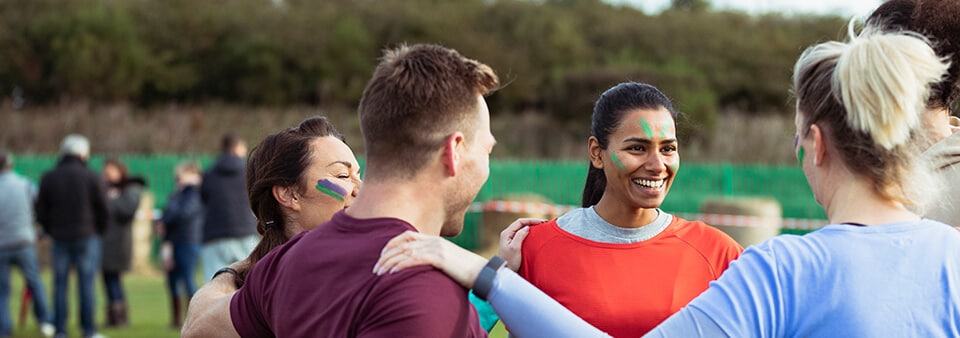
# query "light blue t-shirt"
(893, 280)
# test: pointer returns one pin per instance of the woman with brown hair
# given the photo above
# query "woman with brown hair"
(123, 199)
(297, 179)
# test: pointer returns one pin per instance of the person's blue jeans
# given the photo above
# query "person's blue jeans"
(184, 268)
(24, 257)
(84, 255)
(111, 282)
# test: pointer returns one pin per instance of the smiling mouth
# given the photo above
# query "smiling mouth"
(652, 184)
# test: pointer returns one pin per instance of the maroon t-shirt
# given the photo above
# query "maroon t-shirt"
(321, 284)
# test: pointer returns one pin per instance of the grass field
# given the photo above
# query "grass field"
(149, 309)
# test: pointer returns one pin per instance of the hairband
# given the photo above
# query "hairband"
(268, 224)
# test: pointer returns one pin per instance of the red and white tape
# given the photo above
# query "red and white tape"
(712, 219)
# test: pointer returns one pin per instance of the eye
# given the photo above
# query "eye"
(343, 176)
(669, 149)
(637, 148)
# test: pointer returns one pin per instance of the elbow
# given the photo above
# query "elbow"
(187, 331)
(191, 331)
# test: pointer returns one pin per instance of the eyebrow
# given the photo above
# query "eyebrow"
(647, 141)
(347, 164)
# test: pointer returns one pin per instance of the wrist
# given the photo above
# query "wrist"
(484, 281)
(228, 275)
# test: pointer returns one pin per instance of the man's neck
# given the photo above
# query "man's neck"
(409, 201)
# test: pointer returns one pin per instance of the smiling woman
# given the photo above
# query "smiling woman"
(280, 180)
(592, 260)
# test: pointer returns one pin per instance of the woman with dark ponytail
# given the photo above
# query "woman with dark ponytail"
(650, 263)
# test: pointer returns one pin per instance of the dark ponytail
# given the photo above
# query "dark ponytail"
(593, 190)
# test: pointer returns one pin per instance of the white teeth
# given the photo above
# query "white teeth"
(649, 183)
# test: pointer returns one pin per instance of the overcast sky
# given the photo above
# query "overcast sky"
(850, 8)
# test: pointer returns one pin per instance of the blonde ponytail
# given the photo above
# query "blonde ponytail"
(884, 81)
(870, 94)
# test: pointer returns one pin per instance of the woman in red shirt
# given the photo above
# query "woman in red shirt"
(620, 262)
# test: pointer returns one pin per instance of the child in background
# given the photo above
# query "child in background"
(182, 223)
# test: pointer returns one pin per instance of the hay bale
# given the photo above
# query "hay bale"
(749, 220)
(494, 221)
(143, 238)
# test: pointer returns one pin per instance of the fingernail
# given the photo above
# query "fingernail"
(392, 270)
(376, 267)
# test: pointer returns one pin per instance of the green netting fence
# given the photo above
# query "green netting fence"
(560, 181)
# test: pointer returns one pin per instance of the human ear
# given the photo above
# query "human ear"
(596, 152)
(286, 197)
(819, 148)
(451, 152)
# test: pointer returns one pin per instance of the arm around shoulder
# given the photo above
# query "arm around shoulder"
(209, 312)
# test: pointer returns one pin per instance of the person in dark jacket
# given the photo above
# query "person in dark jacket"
(123, 200)
(229, 227)
(182, 224)
(71, 207)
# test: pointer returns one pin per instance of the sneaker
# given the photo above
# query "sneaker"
(95, 335)
(47, 330)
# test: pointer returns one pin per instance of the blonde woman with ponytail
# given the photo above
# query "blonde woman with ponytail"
(878, 268)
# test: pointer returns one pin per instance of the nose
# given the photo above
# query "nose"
(655, 163)
(356, 187)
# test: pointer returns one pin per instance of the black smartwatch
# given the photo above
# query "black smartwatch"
(236, 276)
(484, 282)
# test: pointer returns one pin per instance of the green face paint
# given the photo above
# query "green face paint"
(663, 132)
(617, 161)
(326, 190)
(674, 167)
(646, 127)
(800, 155)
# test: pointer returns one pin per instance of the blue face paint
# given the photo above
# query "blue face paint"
(329, 188)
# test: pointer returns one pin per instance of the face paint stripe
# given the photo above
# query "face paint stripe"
(617, 161)
(332, 186)
(663, 132)
(800, 155)
(329, 192)
(646, 127)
